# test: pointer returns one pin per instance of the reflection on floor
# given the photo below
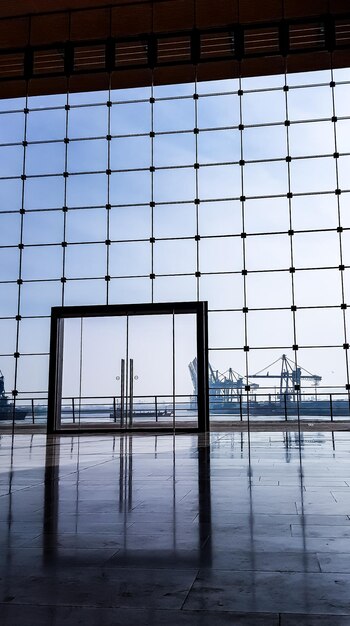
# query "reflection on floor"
(240, 529)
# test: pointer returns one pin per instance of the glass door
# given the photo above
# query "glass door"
(125, 370)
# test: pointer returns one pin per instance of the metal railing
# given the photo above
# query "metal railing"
(167, 409)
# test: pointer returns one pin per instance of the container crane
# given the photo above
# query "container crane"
(225, 387)
(289, 377)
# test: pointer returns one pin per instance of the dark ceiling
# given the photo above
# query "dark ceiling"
(89, 45)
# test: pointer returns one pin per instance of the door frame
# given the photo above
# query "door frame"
(59, 314)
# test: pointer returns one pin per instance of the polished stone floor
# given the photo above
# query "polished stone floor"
(237, 529)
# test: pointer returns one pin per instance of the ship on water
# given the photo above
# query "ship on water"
(8, 411)
(230, 393)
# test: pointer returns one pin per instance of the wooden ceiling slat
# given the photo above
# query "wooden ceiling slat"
(48, 28)
(92, 22)
(13, 35)
(131, 20)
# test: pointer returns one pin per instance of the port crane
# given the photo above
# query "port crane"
(290, 377)
(228, 386)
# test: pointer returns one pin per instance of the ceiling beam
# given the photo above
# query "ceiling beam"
(89, 45)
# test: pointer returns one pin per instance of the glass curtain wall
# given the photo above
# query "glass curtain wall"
(235, 192)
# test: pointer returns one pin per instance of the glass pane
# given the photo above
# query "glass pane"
(311, 139)
(219, 181)
(11, 161)
(267, 252)
(220, 218)
(263, 107)
(268, 290)
(309, 288)
(45, 159)
(218, 110)
(320, 327)
(87, 190)
(343, 169)
(8, 372)
(130, 187)
(226, 330)
(265, 179)
(88, 121)
(8, 333)
(83, 292)
(130, 290)
(151, 349)
(171, 150)
(176, 114)
(44, 193)
(174, 220)
(86, 261)
(83, 225)
(266, 215)
(218, 86)
(310, 212)
(87, 156)
(130, 223)
(12, 104)
(343, 135)
(185, 346)
(11, 195)
(312, 175)
(221, 254)
(34, 335)
(46, 125)
(270, 329)
(226, 382)
(329, 363)
(175, 288)
(38, 298)
(175, 257)
(130, 118)
(43, 227)
(222, 291)
(9, 263)
(11, 127)
(130, 153)
(46, 101)
(130, 259)
(8, 299)
(10, 224)
(265, 143)
(32, 374)
(342, 96)
(42, 262)
(316, 249)
(310, 103)
(219, 146)
(174, 185)
(92, 353)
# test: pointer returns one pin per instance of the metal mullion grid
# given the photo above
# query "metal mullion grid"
(108, 204)
(152, 171)
(175, 167)
(65, 208)
(152, 168)
(212, 200)
(176, 132)
(196, 172)
(244, 264)
(289, 197)
(343, 303)
(20, 246)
